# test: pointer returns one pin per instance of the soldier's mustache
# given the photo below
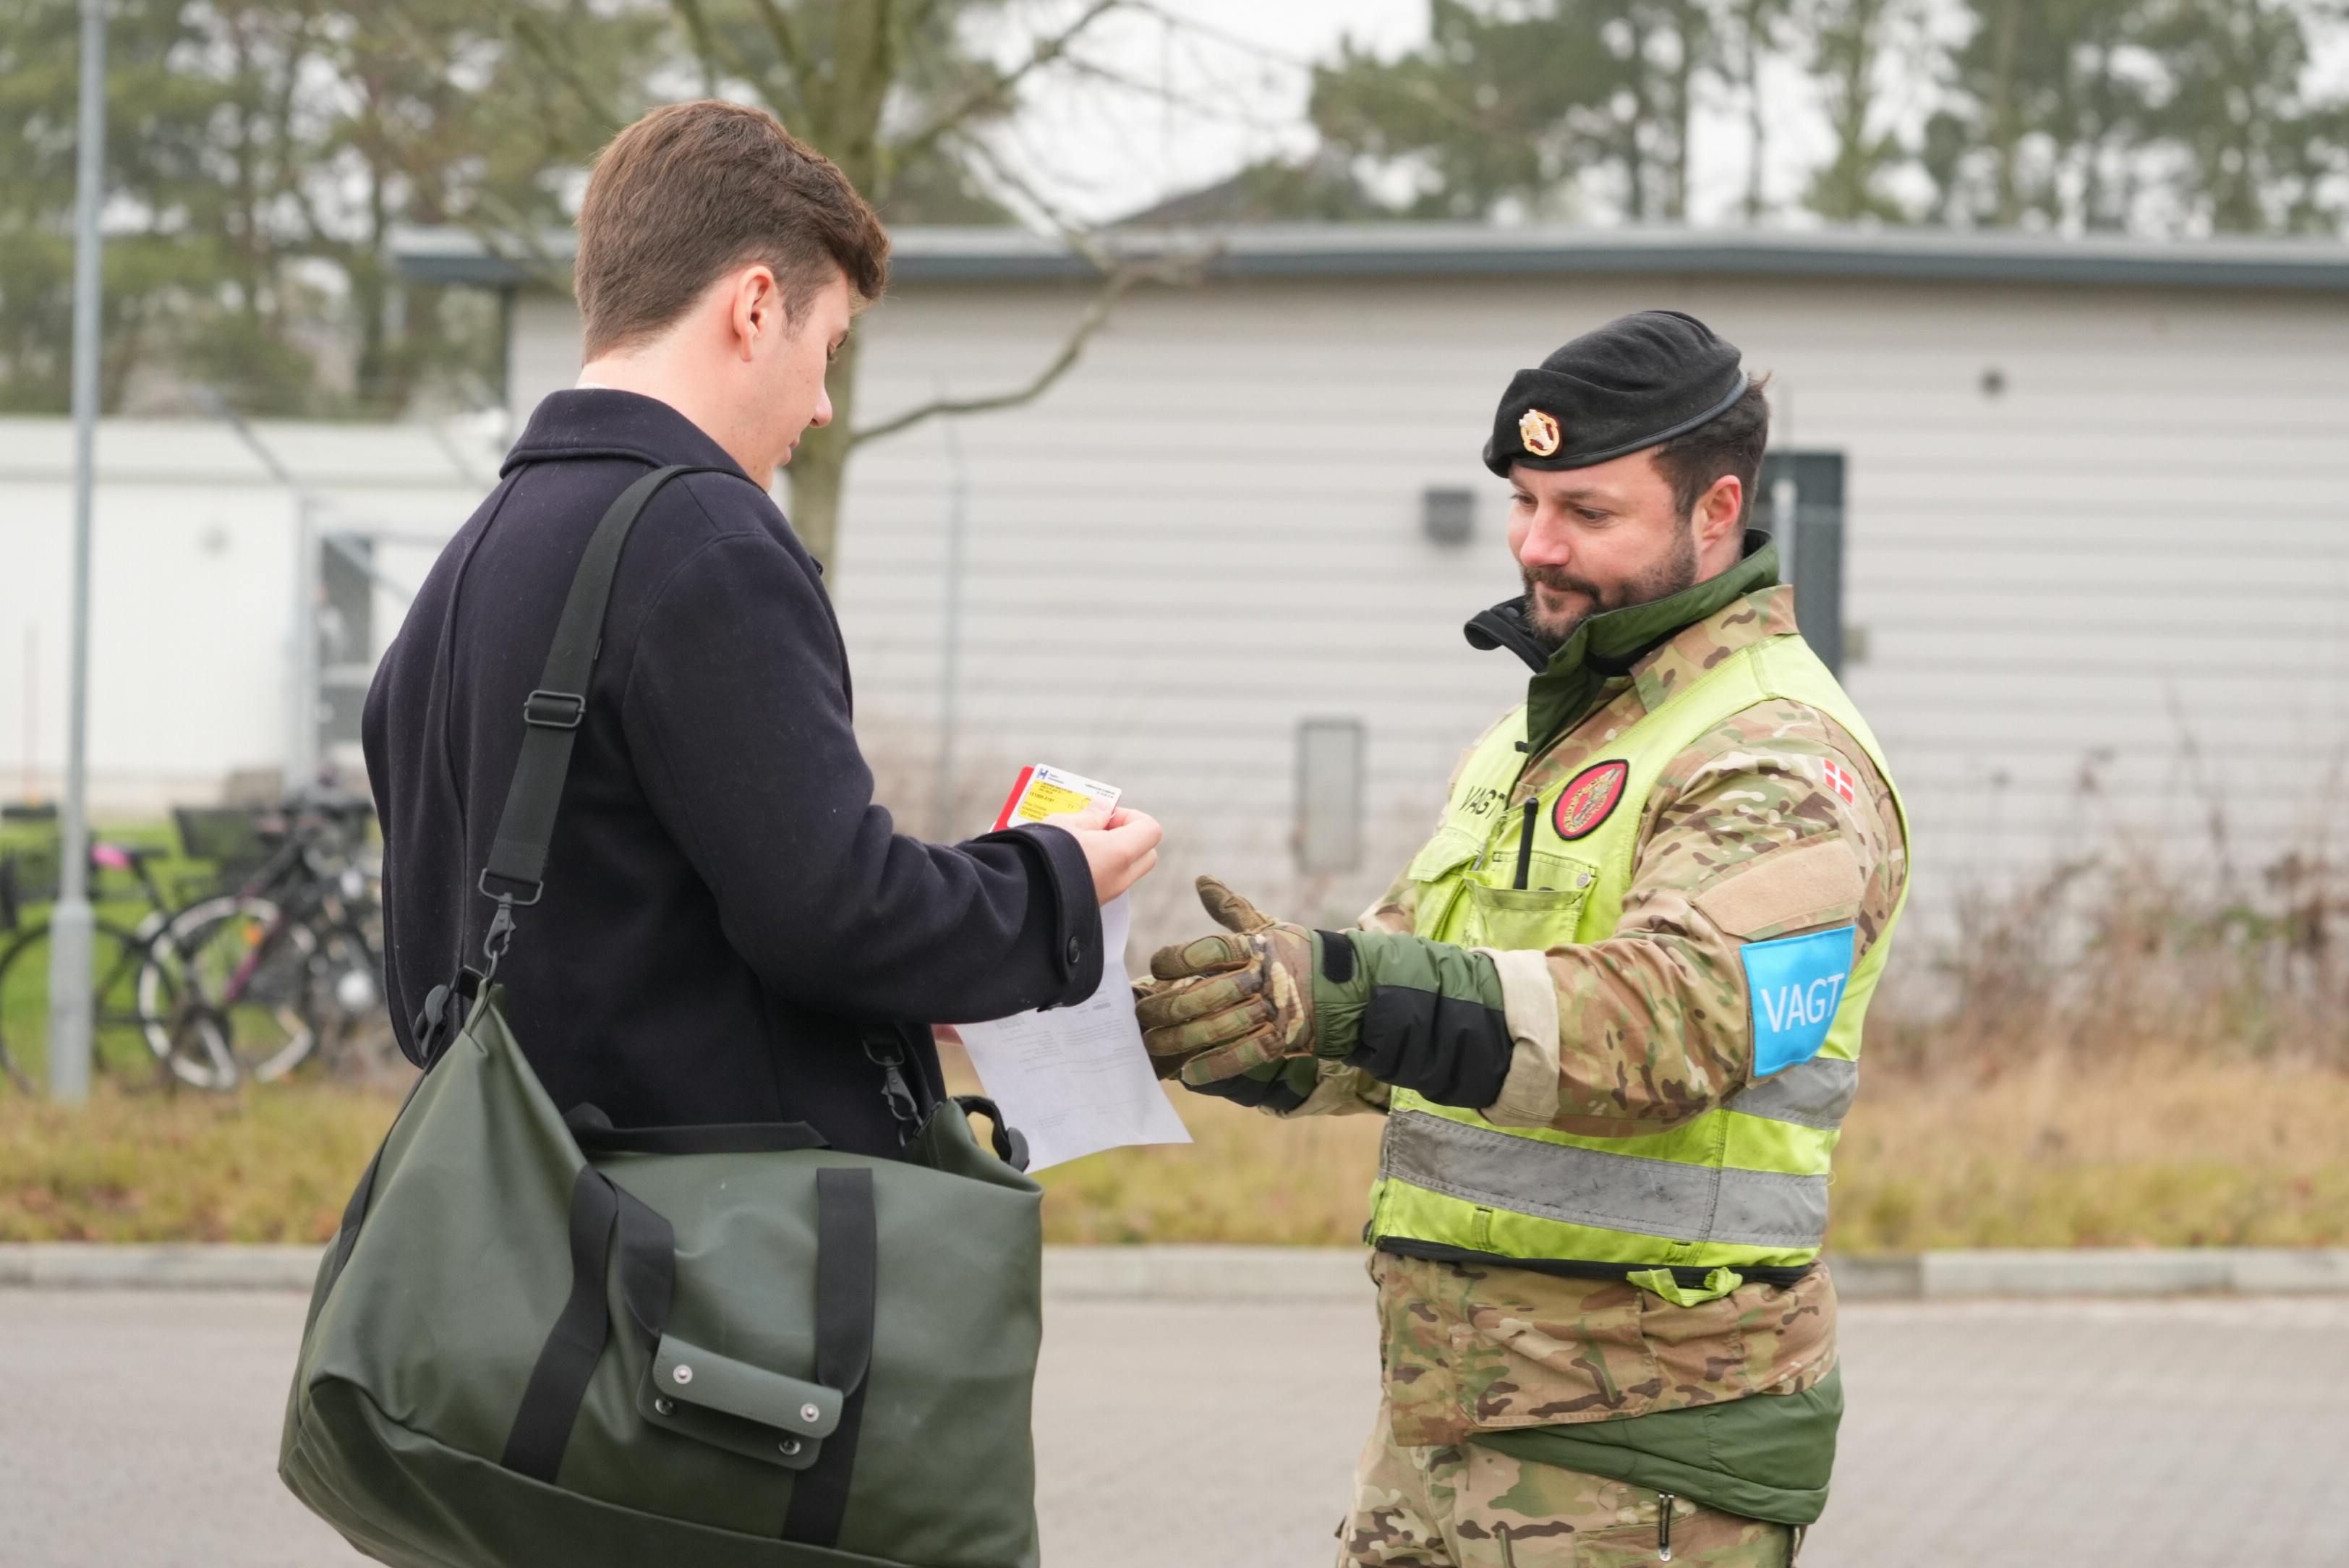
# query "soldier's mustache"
(1558, 579)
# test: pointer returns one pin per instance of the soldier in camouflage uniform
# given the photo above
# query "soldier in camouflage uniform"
(1611, 1010)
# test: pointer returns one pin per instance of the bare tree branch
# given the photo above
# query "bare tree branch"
(1072, 347)
(1078, 235)
(542, 48)
(1119, 275)
(285, 175)
(510, 237)
(1115, 288)
(924, 13)
(1181, 265)
(1176, 23)
(995, 93)
(704, 42)
(866, 76)
(786, 40)
(1175, 97)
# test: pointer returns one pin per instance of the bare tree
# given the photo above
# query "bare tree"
(1756, 26)
(886, 90)
(1148, 259)
(1850, 40)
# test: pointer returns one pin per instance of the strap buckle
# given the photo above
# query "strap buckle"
(501, 937)
(444, 1013)
(544, 710)
(902, 1104)
(481, 886)
(887, 1051)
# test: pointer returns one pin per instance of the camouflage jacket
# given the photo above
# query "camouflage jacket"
(1742, 839)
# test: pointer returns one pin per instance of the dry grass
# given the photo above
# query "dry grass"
(2157, 1155)
(2148, 1153)
(1247, 1179)
(2123, 1055)
(267, 1165)
(2133, 950)
(2179, 1153)
(2125, 1051)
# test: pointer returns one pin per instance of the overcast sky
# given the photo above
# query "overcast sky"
(1226, 83)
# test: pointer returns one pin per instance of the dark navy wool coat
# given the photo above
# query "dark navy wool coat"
(725, 905)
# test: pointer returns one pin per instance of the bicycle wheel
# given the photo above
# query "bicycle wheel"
(238, 967)
(118, 1041)
(184, 1037)
(346, 1003)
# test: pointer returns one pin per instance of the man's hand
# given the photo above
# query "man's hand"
(1223, 1004)
(1120, 853)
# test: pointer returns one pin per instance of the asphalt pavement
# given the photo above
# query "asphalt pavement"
(139, 1429)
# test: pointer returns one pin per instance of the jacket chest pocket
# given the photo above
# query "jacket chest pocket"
(1438, 873)
(1469, 892)
(1540, 915)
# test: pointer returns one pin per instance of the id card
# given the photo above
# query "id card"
(1041, 793)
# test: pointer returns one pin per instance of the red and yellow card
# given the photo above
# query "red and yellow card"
(1043, 793)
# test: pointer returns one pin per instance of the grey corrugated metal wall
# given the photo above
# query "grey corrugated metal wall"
(2097, 564)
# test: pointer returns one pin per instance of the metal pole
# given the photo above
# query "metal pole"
(32, 713)
(70, 1002)
(950, 676)
(1785, 503)
(302, 750)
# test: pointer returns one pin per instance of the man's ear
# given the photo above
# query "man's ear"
(755, 308)
(1718, 511)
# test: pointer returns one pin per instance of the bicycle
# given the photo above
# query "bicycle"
(139, 1019)
(293, 952)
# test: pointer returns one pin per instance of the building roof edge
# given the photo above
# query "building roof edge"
(926, 255)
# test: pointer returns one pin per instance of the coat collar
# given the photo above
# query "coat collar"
(598, 422)
(1637, 640)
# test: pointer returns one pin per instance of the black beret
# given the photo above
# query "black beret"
(1637, 381)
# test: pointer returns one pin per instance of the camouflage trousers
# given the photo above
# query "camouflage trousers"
(1463, 1505)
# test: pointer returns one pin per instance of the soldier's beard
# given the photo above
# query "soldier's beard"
(1674, 574)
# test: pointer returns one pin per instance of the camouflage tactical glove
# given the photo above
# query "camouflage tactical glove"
(1228, 1006)
(1283, 1086)
(1246, 1015)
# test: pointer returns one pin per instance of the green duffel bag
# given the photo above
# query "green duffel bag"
(539, 1339)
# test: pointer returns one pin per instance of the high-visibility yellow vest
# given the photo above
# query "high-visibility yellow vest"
(1745, 1184)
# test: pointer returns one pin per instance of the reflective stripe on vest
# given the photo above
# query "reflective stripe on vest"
(1580, 1186)
(1742, 1184)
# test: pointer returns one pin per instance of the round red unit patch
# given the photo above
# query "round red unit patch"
(1589, 799)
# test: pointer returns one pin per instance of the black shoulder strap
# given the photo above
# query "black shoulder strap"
(552, 712)
(847, 1275)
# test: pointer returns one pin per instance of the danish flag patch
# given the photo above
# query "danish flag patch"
(1840, 780)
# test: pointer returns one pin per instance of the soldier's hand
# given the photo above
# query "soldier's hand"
(1143, 989)
(1223, 1004)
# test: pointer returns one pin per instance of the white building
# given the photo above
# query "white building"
(198, 564)
(2094, 496)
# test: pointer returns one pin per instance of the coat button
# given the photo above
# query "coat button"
(1076, 953)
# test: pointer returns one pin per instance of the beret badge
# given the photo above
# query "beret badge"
(1634, 383)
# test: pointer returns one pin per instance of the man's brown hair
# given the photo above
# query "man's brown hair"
(693, 191)
(1732, 441)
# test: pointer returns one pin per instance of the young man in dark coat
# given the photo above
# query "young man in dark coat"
(729, 922)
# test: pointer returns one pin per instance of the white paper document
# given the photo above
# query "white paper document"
(1077, 1080)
